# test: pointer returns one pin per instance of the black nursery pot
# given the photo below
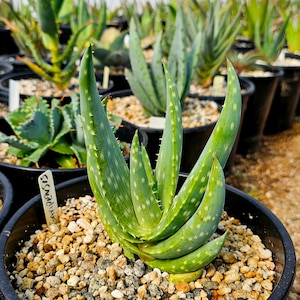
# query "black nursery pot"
(24, 180)
(286, 99)
(5, 69)
(11, 58)
(258, 108)
(7, 43)
(194, 140)
(239, 205)
(6, 194)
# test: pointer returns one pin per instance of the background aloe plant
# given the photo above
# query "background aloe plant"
(45, 134)
(59, 66)
(139, 207)
(291, 10)
(148, 82)
(219, 26)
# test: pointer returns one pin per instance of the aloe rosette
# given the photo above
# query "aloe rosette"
(141, 208)
(46, 132)
(147, 81)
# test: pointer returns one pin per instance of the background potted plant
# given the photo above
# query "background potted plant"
(43, 135)
(284, 106)
(219, 26)
(256, 65)
(36, 29)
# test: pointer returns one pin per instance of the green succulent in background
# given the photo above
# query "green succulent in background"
(82, 14)
(112, 53)
(138, 206)
(290, 10)
(254, 17)
(59, 65)
(43, 131)
(21, 20)
(148, 82)
(271, 43)
(219, 26)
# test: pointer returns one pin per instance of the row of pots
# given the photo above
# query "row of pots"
(272, 106)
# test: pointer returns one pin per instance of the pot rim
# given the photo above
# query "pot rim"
(7, 197)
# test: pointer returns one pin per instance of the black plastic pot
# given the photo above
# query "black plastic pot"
(5, 69)
(12, 59)
(243, 45)
(194, 140)
(24, 180)
(4, 84)
(258, 108)
(251, 212)
(7, 43)
(6, 194)
(247, 89)
(286, 99)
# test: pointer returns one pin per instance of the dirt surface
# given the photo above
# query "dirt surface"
(272, 175)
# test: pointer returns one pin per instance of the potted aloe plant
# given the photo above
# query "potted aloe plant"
(257, 66)
(145, 211)
(219, 24)
(36, 29)
(153, 210)
(286, 99)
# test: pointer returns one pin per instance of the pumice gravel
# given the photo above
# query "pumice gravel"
(75, 260)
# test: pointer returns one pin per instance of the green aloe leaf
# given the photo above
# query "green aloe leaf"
(169, 157)
(104, 158)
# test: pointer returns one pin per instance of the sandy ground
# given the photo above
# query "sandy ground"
(272, 175)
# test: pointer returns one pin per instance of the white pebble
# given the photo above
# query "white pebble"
(117, 294)
(73, 227)
(53, 280)
(73, 280)
(264, 253)
(83, 224)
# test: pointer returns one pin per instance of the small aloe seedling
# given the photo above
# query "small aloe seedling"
(46, 132)
(148, 83)
(139, 207)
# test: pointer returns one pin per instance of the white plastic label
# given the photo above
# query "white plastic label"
(48, 196)
(105, 77)
(218, 85)
(14, 95)
(157, 122)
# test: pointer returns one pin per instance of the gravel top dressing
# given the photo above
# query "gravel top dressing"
(75, 259)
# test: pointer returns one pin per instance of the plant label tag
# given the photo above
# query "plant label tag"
(218, 85)
(48, 196)
(105, 77)
(14, 95)
(157, 122)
